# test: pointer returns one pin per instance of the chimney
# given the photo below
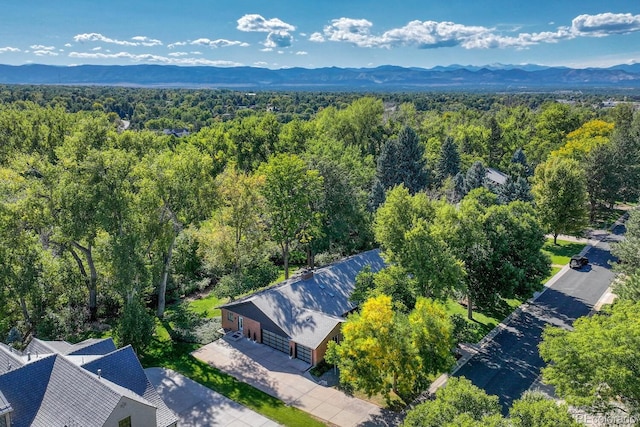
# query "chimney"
(28, 356)
(307, 274)
(99, 373)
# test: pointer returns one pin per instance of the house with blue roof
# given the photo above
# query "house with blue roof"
(92, 383)
(301, 315)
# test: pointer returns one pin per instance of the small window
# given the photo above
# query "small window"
(230, 316)
(125, 422)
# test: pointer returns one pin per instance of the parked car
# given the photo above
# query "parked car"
(578, 261)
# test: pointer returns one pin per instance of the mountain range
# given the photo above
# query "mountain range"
(393, 78)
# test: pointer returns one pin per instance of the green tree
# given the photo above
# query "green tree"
(596, 365)
(384, 351)
(628, 250)
(536, 410)
(289, 190)
(476, 176)
(459, 402)
(135, 326)
(403, 227)
(554, 122)
(178, 187)
(560, 194)
(401, 161)
(449, 161)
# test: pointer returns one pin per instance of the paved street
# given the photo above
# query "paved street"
(509, 364)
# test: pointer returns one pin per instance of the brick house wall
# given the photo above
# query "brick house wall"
(249, 326)
(318, 353)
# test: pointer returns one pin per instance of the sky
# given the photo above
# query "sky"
(313, 34)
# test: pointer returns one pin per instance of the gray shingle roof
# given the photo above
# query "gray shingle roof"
(5, 406)
(88, 347)
(496, 176)
(77, 397)
(112, 367)
(26, 396)
(9, 359)
(307, 310)
(52, 390)
(92, 346)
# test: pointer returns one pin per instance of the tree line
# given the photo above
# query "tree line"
(97, 221)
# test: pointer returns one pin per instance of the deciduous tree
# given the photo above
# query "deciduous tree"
(290, 189)
(560, 194)
(596, 365)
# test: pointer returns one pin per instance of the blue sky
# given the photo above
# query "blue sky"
(346, 33)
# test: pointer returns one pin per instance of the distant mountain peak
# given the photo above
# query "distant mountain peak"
(489, 77)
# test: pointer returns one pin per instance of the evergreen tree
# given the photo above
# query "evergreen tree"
(519, 165)
(495, 143)
(476, 176)
(459, 186)
(449, 161)
(401, 161)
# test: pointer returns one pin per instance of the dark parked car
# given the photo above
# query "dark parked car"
(578, 262)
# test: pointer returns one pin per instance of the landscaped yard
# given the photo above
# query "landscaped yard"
(561, 253)
(168, 354)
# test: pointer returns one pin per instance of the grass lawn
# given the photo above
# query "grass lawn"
(561, 253)
(168, 354)
(207, 306)
(486, 320)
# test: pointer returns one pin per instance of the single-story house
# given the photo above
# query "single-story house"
(301, 315)
(92, 383)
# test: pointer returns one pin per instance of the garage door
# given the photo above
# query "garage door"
(276, 341)
(303, 353)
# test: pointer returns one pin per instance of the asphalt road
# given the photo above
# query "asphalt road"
(509, 364)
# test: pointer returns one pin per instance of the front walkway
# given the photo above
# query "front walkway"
(196, 405)
(276, 374)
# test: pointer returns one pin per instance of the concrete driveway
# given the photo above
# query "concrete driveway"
(196, 405)
(276, 374)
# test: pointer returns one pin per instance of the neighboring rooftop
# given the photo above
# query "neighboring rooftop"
(54, 383)
(496, 177)
(306, 310)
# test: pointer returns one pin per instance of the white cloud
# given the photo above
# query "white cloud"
(279, 31)
(433, 34)
(316, 37)
(68, 45)
(151, 58)
(176, 44)
(605, 24)
(97, 37)
(178, 54)
(356, 31)
(9, 49)
(302, 52)
(41, 47)
(257, 23)
(195, 52)
(266, 49)
(260, 64)
(146, 41)
(218, 43)
(278, 39)
(41, 52)
(95, 49)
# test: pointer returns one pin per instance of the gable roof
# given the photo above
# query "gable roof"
(112, 366)
(9, 358)
(50, 388)
(307, 310)
(88, 347)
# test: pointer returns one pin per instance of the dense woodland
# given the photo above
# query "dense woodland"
(105, 218)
